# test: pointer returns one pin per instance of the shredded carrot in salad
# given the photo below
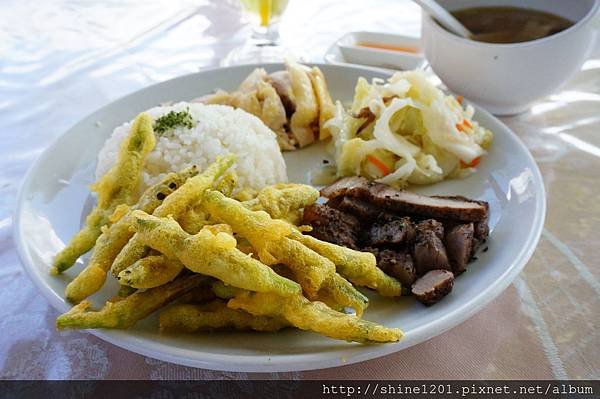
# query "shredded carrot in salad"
(464, 126)
(472, 164)
(379, 164)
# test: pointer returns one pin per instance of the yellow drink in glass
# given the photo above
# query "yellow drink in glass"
(268, 11)
(264, 44)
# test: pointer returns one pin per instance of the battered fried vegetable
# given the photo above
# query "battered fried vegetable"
(126, 312)
(246, 194)
(358, 267)
(314, 316)
(192, 191)
(202, 293)
(256, 226)
(115, 237)
(118, 186)
(176, 205)
(125, 291)
(155, 270)
(223, 290)
(310, 269)
(338, 293)
(279, 200)
(150, 272)
(215, 315)
(194, 220)
(269, 237)
(211, 254)
(227, 183)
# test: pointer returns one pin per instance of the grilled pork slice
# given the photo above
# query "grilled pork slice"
(362, 209)
(453, 208)
(397, 264)
(429, 252)
(482, 230)
(433, 286)
(430, 225)
(459, 246)
(332, 225)
(390, 232)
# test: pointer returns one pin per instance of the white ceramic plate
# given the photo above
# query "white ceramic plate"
(54, 195)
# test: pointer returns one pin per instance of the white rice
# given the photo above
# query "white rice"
(218, 130)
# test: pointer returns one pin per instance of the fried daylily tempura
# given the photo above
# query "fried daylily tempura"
(150, 272)
(257, 227)
(230, 264)
(314, 316)
(175, 205)
(224, 291)
(315, 273)
(116, 236)
(227, 183)
(118, 186)
(195, 219)
(358, 267)
(211, 254)
(126, 312)
(339, 294)
(155, 270)
(215, 315)
(269, 237)
(284, 200)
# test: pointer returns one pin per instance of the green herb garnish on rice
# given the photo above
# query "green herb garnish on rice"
(173, 120)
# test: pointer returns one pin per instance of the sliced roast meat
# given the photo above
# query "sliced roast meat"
(459, 246)
(343, 186)
(429, 252)
(455, 208)
(390, 232)
(422, 241)
(357, 207)
(481, 230)
(433, 286)
(332, 225)
(462, 198)
(430, 225)
(397, 264)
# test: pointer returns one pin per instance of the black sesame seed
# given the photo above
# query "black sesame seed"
(486, 249)
(325, 161)
(173, 186)
(160, 196)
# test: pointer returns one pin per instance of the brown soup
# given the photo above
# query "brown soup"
(510, 24)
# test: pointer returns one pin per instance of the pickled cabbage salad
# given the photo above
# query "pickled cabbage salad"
(406, 131)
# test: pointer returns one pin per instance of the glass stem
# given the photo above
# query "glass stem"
(266, 35)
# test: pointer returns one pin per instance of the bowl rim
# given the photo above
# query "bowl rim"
(433, 24)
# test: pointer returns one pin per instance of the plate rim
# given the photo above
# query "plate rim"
(288, 362)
